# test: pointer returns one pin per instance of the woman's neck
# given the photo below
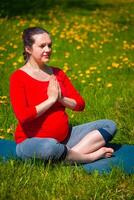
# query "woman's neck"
(35, 66)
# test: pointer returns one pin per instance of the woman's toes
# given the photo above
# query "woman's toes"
(108, 152)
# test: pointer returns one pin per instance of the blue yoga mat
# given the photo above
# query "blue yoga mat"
(123, 157)
(7, 149)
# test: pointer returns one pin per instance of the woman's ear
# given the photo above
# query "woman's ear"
(28, 49)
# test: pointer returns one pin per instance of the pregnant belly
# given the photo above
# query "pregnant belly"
(55, 125)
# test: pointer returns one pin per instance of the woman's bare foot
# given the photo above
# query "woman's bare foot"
(103, 152)
(78, 157)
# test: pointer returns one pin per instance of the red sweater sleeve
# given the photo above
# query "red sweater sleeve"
(22, 111)
(71, 92)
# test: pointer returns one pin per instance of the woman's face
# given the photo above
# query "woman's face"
(41, 48)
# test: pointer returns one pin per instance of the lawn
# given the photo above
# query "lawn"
(93, 43)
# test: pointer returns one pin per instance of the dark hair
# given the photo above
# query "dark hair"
(28, 39)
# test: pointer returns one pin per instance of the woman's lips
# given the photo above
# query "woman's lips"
(46, 55)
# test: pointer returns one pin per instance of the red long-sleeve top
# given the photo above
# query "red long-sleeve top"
(27, 92)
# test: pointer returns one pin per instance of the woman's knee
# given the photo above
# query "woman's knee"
(53, 150)
(45, 149)
(108, 130)
(111, 127)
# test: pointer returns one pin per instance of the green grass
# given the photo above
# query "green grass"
(93, 43)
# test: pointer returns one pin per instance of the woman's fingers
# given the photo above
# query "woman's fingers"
(60, 93)
(53, 80)
(53, 87)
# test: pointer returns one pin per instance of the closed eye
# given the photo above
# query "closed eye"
(50, 45)
(43, 45)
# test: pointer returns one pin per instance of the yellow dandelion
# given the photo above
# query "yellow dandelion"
(98, 79)
(2, 136)
(83, 81)
(9, 130)
(72, 75)
(65, 64)
(62, 36)
(125, 59)
(22, 22)
(116, 39)
(2, 48)
(91, 84)
(67, 54)
(126, 46)
(3, 101)
(72, 116)
(114, 57)
(1, 130)
(15, 46)
(75, 77)
(14, 63)
(78, 47)
(20, 59)
(11, 55)
(1, 62)
(3, 97)
(115, 65)
(132, 64)
(93, 68)
(54, 51)
(92, 46)
(87, 71)
(132, 46)
(70, 41)
(109, 85)
(109, 67)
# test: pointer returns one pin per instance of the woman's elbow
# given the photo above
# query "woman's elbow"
(79, 106)
(26, 115)
(22, 118)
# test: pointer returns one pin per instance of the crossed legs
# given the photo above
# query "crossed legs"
(89, 149)
(85, 144)
(92, 146)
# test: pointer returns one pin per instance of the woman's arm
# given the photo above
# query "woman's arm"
(18, 100)
(24, 112)
(68, 102)
(52, 93)
(70, 97)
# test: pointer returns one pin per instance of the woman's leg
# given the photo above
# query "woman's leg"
(92, 134)
(41, 148)
(78, 157)
(84, 144)
(88, 140)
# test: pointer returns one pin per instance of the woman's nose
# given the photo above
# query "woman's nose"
(47, 48)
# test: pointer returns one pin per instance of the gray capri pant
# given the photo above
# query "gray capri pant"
(50, 149)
